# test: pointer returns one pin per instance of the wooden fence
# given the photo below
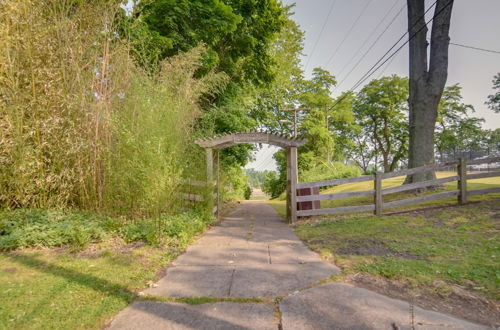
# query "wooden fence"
(378, 192)
(195, 191)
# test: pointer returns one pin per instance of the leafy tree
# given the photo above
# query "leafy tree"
(428, 74)
(491, 141)
(316, 94)
(380, 109)
(455, 130)
(272, 186)
(238, 33)
(284, 91)
(494, 100)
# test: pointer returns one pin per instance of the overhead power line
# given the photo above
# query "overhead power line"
(377, 66)
(348, 32)
(475, 48)
(372, 33)
(371, 46)
(320, 34)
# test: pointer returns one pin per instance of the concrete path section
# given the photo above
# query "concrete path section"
(252, 253)
(153, 315)
(342, 306)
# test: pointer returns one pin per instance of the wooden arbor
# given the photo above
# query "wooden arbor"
(213, 145)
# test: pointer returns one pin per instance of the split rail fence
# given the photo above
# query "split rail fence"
(378, 192)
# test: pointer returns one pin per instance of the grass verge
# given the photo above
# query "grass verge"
(59, 289)
(446, 259)
(74, 270)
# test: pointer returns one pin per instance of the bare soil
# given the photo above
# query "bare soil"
(458, 302)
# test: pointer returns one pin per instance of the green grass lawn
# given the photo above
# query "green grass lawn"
(447, 259)
(53, 288)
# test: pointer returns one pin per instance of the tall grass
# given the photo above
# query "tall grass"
(81, 124)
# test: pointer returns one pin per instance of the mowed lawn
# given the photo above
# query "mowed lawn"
(448, 254)
(57, 289)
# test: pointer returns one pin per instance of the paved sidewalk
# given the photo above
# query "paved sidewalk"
(254, 254)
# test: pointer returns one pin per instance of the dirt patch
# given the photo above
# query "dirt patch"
(10, 270)
(454, 300)
(367, 247)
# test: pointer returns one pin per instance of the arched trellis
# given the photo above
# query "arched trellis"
(215, 144)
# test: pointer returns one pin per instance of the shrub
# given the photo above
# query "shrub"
(328, 171)
(42, 228)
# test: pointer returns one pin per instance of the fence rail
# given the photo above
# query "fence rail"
(198, 197)
(378, 192)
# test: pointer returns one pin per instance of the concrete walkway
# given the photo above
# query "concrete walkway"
(254, 254)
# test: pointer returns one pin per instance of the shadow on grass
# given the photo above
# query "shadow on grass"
(116, 290)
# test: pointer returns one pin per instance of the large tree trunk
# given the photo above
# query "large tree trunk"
(426, 81)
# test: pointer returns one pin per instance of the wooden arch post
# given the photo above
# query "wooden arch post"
(218, 143)
(291, 184)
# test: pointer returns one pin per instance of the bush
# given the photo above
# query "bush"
(248, 192)
(328, 171)
(42, 228)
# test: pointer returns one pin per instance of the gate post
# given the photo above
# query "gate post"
(210, 180)
(291, 183)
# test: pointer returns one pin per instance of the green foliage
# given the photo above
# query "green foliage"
(273, 185)
(81, 124)
(255, 178)
(248, 192)
(234, 183)
(456, 130)
(237, 33)
(42, 228)
(328, 171)
(381, 109)
(494, 99)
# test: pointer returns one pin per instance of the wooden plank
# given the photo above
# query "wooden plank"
(378, 194)
(335, 181)
(483, 175)
(426, 168)
(192, 197)
(416, 185)
(484, 161)
(322, 197)
(416, 200)
(483, 191)
(341, 209)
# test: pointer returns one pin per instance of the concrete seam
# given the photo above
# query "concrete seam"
(231, 283)
(269, 253)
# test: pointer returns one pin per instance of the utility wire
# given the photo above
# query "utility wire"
(371, 46)
(375, 67)
(476, 48)
(320, 34)
(348, 32)
(372, 33)
(369, 72)
(387, 66)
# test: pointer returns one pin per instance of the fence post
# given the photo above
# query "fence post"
(378, 194)
(462, 180)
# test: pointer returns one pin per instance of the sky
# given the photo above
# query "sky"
(338, 33)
